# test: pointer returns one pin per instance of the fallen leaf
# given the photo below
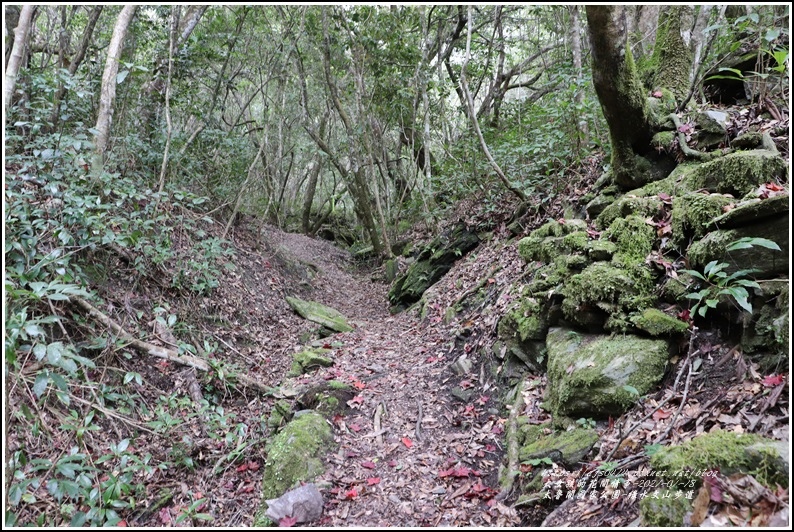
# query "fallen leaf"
(407, 442)
(354, 427)
(351, 494)
(371, 481)
(772, 380)
(287, 521)
(368, 465)
(660, 414)
(359, 385)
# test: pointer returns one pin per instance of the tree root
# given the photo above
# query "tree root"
(157, 351)
(685, 149)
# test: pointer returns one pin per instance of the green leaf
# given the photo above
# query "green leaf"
(631, 389)
(121, 76)
(54, 352)
(748, 242)
(694, 273)
(41, 383)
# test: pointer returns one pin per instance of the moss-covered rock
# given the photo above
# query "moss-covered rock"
(630, 205)
(601, 250)
(523, 330)
(675, 289)
(432, 263)
(658, 324)
(663, 140)
(280, 415)
(727, 452)
(634, 239)
(554, 238)
(751, 210)
(565, 447)
(768, 262)
(328, 398)
(588, 374)
(739, 173)
(307, 360)
(693, 213)
(605, 290)
(293, 455)
(319, 313)
(765, 333)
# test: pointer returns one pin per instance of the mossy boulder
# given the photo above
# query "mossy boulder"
(693, 213)
(630, 205)
(294, 454)
(661, 512)
(596, 376)
(565, 447)
(604, 294)
(432, 263)
(658, 324)
(751, 210)
(523, 330)
(328, 398)
(634, 238)
(309, 359)
(765, 333)
(319, 313)
(768, 262)
(552, 239)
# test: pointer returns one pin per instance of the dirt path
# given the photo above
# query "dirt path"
(408, 453)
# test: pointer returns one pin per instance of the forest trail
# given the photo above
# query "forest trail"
(407, 453)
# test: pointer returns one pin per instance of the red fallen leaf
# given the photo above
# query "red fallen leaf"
(656, 94)
(684, 315)
(326, 346)
(165, 516)
(371, 481)
(491, 280)
(392, 463)
(466, 384)
(357, 400)
(407, 442)
(611, 423)
(483, 399)
(354, 427)
(490, 447)
(430, 360)
(337, 419)
(773, 186)
(497, 429)
(457, 472)
(287, 521)
(368, 465)
(685, 128)
(351, 494)
(122, 523)
(666, 198)
(247, 489)
(772, 380)
(253, 466)
(715, 492)
(242, 468)
(358, 384)
(660, 414)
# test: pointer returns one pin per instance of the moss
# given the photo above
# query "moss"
(628, 205)
(675, 290)
(524, 320)
(657, 323)
(634, 239)
(693, 212)
(669, 512)
(671, 53)
(553, 238)
(587, 373)
(738, 173)
(307, 360)
(338, 385)
(663, 141)
(293, 455)
(725, 451)
(280, 414)
(601, 250)
(568, 447)
(319, 313)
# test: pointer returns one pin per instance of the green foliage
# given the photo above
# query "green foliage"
(719, 283)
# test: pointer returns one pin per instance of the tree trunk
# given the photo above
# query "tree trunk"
(17, 52)
(621, 95)
(108, 91)
(76, 61)
(672, 56)
(576, 53)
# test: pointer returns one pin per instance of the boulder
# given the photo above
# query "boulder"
(768, 262)
(568, 447)
(304, 504)
(319, 313)
(307, 360)
(432, 263)
(599, 376)
(765, 333)
(751, 211)
(294, 454)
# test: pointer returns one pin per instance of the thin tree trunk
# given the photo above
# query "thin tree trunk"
(473, 117)
(175, 14)
(77, 60)
(108, 91)
(244, 186)
(576, 52)
(15, 61)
